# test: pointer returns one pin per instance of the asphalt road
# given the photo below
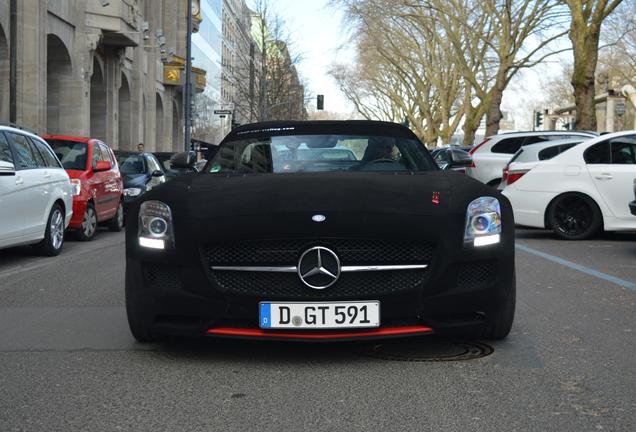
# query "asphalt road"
(69, 363)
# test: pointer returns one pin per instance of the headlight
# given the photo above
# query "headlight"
(133, 192)
(76, 186)
(483, 222)
(155, 225)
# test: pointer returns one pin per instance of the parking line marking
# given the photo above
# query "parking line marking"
(622, 282)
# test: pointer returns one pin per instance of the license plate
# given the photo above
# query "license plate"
(325, 315)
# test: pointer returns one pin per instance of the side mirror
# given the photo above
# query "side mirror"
(7, 169)
(183, 160)
(157, 173)
(102, 166)
(460, 159)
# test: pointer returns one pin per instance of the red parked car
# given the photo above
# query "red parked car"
(97, 183)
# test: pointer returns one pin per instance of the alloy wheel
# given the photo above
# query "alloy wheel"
(57, 229)
(573, 216)
(120, 216)
(89, 224)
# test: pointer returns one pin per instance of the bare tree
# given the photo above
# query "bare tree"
(494, 40)
(402, 71)
(454, 57)
(587, 17)
(617, 54)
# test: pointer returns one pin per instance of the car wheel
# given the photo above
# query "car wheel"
(574, 217)
(499, 322)
(89, 224)
(138, 320)
(53, 240)
(117, 222)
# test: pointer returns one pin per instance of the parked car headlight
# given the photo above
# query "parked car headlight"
(483, 222)
(132, 192)
(155, 225)
(76, 186)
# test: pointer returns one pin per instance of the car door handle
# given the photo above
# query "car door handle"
(19, 181)
(604, 176)
(47, 175)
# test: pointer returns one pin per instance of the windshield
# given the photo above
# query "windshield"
(72, 154)
(131, 163)
(319, 153)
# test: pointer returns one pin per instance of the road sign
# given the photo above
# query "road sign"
(223, 112)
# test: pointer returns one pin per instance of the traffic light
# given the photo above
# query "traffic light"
(538, 119)
(320, 102)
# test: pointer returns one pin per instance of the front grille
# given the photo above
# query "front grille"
(350, 252)
(349, 285)
(477, 273)
(286, 252)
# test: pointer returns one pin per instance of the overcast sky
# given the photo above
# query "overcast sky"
(316, 30)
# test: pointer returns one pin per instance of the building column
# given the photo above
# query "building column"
(113, 81)
(4, 61)
(31, 88)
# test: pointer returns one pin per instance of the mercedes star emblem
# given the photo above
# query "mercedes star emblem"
(319, 267)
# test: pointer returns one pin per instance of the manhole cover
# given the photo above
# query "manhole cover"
(428, 351)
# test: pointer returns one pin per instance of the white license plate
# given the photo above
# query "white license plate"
(325, 315)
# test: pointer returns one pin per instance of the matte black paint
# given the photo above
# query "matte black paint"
(220, 208)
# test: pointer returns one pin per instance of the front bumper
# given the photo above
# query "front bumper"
(79, 208)
(184, 299)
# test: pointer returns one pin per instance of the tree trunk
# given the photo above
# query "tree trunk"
(585, 60)
(585, 39)
(584, 92)
(493, 106)
(471, 124)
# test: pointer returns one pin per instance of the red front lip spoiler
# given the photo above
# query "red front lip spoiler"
(322, 335)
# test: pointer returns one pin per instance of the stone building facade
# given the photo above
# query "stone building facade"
(106, 69)
(236, 49)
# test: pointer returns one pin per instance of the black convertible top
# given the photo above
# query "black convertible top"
(319, 127)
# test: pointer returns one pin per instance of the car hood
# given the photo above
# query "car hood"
(135, 180)
(211, 208)
(318, 192)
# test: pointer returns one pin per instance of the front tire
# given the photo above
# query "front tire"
(499, 322)
(53, 240)
(89, 224)
(574, 216)
(117, 222)
(138, 318)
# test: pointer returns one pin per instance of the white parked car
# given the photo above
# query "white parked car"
(580, 191)
(36, 199)
(492, 154)
(528, 157)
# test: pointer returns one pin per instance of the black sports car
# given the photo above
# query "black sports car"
(266, 244)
